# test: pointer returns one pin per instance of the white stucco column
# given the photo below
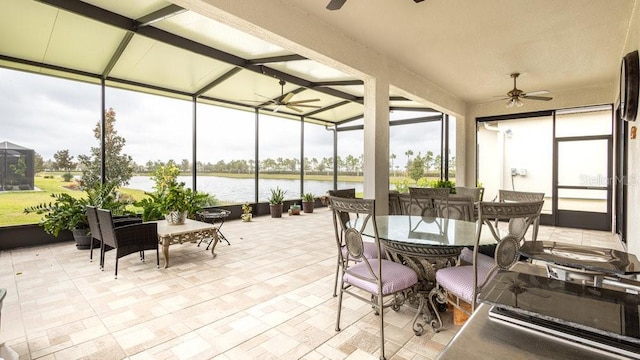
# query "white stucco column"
(376, 143)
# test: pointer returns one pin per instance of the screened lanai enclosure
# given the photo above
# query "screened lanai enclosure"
(16, 167)
(187, 89)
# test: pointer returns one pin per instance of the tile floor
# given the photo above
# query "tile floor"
(267, 296)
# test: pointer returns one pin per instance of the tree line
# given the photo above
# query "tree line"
(121, 167)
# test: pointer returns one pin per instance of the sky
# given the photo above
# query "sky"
(49, 114)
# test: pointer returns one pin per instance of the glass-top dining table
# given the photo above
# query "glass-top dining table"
(426, 244)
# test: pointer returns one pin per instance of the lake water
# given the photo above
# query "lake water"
(240, 190)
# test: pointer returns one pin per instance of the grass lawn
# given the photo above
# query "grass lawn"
(13, 203)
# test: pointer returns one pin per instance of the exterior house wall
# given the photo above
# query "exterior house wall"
(524, 144)
(633, 199)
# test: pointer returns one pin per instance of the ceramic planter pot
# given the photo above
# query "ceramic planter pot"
(307, 206)
(275, 210)
(294, 210)
(176, 217)
(82, 238)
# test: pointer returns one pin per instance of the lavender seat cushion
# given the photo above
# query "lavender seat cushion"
(395, 276)
(370, 251)
(458, 280)
(484, 261)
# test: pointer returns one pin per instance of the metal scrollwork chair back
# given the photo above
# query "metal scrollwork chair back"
(521, 196)
(428, 201)
(344, 219)
(457, 207)
(461, 284)
(476, 193)
(386, 281)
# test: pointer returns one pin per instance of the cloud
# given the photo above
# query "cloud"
(50, 114)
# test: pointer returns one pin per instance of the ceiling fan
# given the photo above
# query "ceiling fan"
(337, 4)
(285, 100)
(515, 96)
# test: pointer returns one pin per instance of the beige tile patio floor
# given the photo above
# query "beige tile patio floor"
(267, 296)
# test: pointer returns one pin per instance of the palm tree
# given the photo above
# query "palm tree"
(392, 157)
(409, 153)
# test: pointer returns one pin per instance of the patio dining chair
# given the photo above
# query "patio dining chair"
(127, 239)
(427, 201)
(460, 285)
(457, 207)
(520, 196)
(477, 193)
(386, 282)
(370, 250)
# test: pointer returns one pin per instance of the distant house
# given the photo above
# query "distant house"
(16, 167)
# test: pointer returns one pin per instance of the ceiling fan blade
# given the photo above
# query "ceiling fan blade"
(545, 98)
(277, 108)
(287, 97)
(293, 108)
(255, 101)
(497, 98)
(539, 92)
(303, 101)
(304, 105)
(335, 4)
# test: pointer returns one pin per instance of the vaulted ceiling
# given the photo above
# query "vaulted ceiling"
(467, 48)
(158, 47)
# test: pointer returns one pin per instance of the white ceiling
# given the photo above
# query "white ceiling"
(466, 47)
(469, 47)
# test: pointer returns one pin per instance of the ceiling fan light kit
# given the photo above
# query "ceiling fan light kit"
(515, 102)
(515, 96)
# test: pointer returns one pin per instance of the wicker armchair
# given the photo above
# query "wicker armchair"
(94, 229)
(127, 239)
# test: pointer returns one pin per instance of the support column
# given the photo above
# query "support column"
(376, 143)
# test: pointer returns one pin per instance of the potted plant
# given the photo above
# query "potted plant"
(276, 202)
(246, 212)
(171, 200)
(308, 201)
(69, 213)
(294, 209)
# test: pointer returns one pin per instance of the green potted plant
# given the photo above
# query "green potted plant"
(246, 212)
(69, 213)
(308, 202)
(171, 199)
(294, 209)
(276, 202)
